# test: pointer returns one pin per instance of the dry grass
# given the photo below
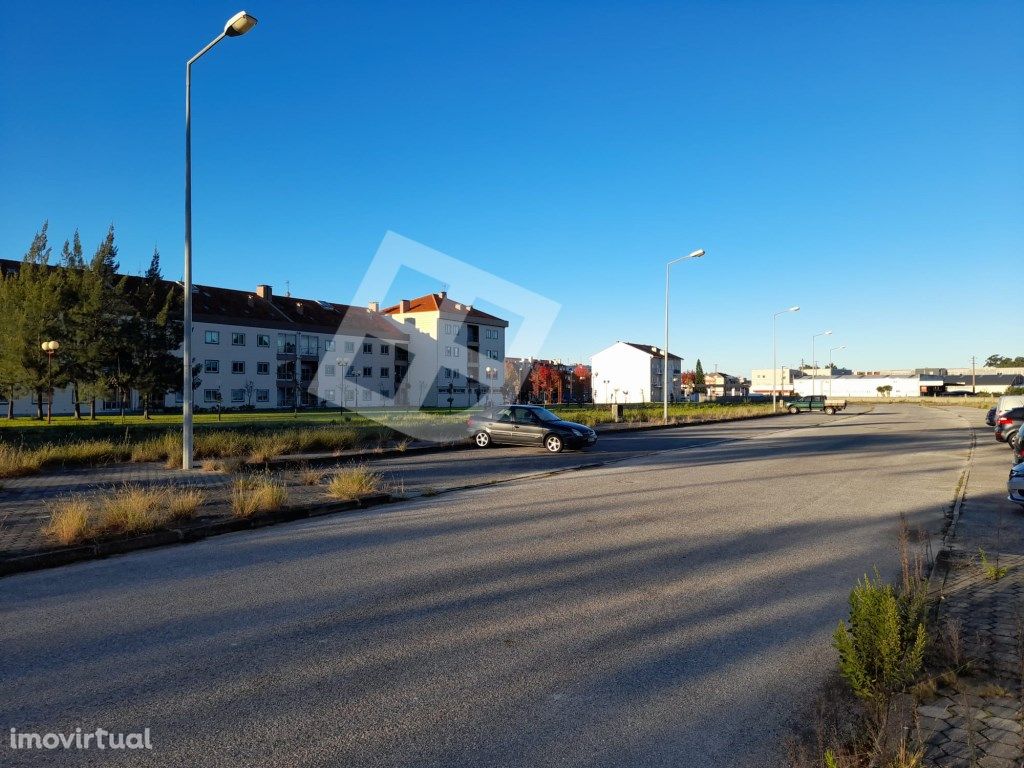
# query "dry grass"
(310, 475)
(69, 520)
(183, 504)
(252, 495)
(132, 509)
(353, 482)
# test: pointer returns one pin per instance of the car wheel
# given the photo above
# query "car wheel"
(830, 411)
(794, 409)
(482, 439)
(553, 443)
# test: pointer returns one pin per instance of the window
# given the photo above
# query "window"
(385, 349)
(367, 348)
(238, 339)
(451, 329)
(237, 395)
(491, 333)
(238, 366)
(328, 345)
(213, 337)
(309, 345)
(366, 394)
(328, 370)
(492, 354)
(286, 343)
(211, 366)
(262, 339)
(367, 370)
(329, 396)
(350, 346)
(447, 373)
(452, 351)
(211, 395)
(286, 370)
(351, 372)
(262, 395)
(349, 395)
(263, 369)
(385, 372)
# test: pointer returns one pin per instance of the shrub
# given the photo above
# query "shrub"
(354, 482)
(993, 571)
(881, 650)
(15, 462)
(132, 509)
(252, 495)
(69, 520)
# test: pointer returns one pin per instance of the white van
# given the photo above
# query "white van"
(1006, 402)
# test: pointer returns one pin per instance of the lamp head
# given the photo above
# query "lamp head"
(697, 254)
(239, 24)
(793, 309)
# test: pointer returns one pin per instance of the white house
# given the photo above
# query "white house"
(633, 373)
(764, 380)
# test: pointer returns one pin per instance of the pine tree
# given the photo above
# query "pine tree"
(71, 253)
(699, 384)
(104, 261)
(39, 251)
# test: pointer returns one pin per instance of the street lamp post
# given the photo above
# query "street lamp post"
(775, 354)
(49, 347)
(831, 370)
(489, 370)
(664, 370)
(236, 26)
(814, 362)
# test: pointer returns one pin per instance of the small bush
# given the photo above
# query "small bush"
(15, 462)
(310, 476)
(253, 495)
(993, 571)
(69, 520)
(881, 650)
(354, 482)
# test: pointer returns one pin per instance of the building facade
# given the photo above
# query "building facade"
(781, 381)
(627, 372)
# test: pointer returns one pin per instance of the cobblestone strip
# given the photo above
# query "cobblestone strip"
(975, 720)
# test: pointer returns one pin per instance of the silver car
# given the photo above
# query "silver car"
(1015, 485)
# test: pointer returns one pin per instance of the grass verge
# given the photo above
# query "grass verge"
(252, 495)
(353, 482)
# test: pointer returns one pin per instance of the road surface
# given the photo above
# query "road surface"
(671, 608)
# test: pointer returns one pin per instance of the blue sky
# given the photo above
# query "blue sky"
(864, 160)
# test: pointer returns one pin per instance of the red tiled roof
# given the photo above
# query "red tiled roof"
(436, 302)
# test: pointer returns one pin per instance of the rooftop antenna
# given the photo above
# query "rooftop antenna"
(288, 288)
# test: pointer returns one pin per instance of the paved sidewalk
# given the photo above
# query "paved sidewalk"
(976, 719)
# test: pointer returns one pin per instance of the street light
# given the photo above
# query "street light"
(49, 347)
(664, 371)
(775, 354)
(814, 363)
(236, 26)
(831, 370)
(489, 370)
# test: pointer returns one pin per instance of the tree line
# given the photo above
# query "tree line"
(998, 361)
(117, 333)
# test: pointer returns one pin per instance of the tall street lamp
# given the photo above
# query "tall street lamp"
(775, 354)
(49, 347)
(814, 363)
(236, 26)
(831, 370)
(664, 371)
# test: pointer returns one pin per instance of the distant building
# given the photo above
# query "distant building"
(996, 383)
(763, 381)
(720, 384)
(627, 372)
(917, 385)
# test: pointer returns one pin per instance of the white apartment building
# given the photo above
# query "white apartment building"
(457, 351)
(627, 372)
(260, 350)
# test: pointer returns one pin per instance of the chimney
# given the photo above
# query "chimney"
(403, 305)
(443, 294)
(265, 292)
(374, 306)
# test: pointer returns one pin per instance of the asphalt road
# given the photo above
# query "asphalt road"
(672, 608)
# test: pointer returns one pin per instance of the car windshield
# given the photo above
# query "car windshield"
(545, 415)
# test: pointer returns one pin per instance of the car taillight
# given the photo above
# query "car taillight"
(1004, 420)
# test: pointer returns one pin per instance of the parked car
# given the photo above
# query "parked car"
(528, 425)
(1018, 448)
(1008, 424)
(1015, 485)
(990, 417)
(816, 403)
(1006, 402)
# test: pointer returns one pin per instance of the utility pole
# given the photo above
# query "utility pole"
(974, 379)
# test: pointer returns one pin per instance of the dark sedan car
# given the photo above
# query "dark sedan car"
(990, 417)
(529, 425)
(1008, 424)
